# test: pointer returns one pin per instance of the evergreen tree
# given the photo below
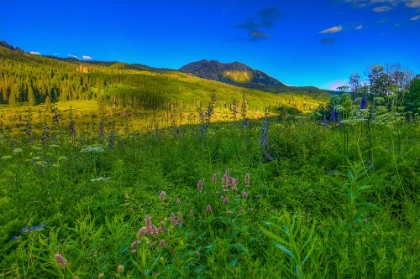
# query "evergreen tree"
(31, 97)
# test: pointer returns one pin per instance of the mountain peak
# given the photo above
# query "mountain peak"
(234, 73)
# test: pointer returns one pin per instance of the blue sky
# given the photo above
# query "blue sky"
(299, 42)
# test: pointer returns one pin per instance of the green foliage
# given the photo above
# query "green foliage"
(307, 209)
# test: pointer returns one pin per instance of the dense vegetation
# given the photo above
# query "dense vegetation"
(334, 201)
(235, 185)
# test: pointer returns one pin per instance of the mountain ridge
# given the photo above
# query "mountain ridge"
(242, 75)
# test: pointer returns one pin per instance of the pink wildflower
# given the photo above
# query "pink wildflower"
(247, 179)
(244, 195)
(191, 212)
(133, 251)
(162, 243)
(162, 196)
(214, 178)
(148, 223)
(208, 207)
(200, 185)
(225, 200)
(60, 260)
(134, 244)
(142, 232)
(225, 180)
(120, 268)
(101, 275)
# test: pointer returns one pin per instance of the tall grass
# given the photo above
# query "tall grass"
(268, 198)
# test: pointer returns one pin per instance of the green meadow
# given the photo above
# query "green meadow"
(273, 197)
(109, 170)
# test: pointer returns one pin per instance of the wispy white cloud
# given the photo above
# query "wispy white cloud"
(382, 9)
(85, 57)
(359, 27)
(35, 52)
(415, 18)
(413, 3)
(331, 30)
(72, 56)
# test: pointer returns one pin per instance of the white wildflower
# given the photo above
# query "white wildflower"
(100, 179)
(94, 149)
(17, 150)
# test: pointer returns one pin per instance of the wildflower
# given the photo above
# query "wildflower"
(217, 192)
(191, 212)
(17, 150)
(363, 103)
(197, 253)
(244, 195)
(225, 180)
(173, 219)
(162, 196)
(92, 149)
(178, 201)
(148, 223)
(76, 277)
(133, 251)
(334, 116)
(229, 212)
(120, 268)
(101, 275)
(200, 185)
(24, 229)
(365, 221)
(15, 238)
(153, 244)
(225, 200)
(208, 207)
(134, 244)
(214, 178)
(162, 243)
(247, 179)
(142, 232)
(60, 260)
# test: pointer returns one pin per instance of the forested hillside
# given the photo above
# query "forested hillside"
(29, 80)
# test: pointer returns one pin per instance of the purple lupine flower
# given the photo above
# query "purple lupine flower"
(334, 116)
(24, 229)
(363, 103)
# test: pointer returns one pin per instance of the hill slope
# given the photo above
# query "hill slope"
(241, 75)
(29, 80)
